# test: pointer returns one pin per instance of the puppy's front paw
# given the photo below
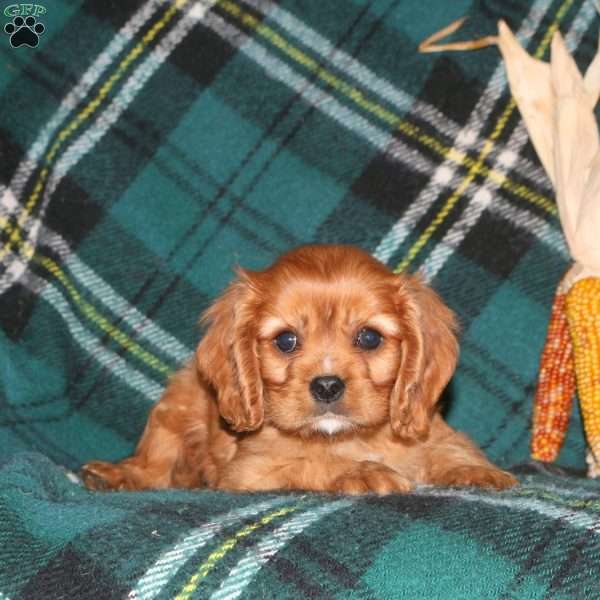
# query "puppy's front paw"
(478, 476)
(372, 477)
(104, 476)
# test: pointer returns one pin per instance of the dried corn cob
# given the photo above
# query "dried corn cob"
(583, 314)
(556, 386)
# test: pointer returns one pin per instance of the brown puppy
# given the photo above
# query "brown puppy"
(320, 373)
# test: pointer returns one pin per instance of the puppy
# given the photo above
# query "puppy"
(320, 373)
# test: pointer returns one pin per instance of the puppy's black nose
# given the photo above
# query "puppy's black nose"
(327, 388)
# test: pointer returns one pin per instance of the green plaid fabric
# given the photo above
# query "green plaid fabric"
(148, 147)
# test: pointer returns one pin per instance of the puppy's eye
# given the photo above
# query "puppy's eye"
(286, 341)
(368, 339)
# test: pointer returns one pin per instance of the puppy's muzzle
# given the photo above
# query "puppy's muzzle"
(327, 388)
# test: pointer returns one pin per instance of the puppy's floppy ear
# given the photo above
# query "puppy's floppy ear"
(429, 356)
(228, 357)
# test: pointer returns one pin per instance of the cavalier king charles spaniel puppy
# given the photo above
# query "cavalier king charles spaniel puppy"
(319, 373)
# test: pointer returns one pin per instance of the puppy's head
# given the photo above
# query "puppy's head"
(327, 340)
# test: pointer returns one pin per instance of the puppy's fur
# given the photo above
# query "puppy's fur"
(241, 416)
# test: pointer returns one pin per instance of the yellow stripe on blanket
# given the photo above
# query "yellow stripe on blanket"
(207, 566)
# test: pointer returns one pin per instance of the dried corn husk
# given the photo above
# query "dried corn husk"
(431, 44)
(557, 105)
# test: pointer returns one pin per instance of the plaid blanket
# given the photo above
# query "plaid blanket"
(145, 149)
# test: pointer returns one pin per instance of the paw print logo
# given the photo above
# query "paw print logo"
(24, 31)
